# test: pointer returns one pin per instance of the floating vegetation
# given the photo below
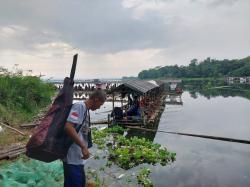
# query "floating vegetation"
(100, 136)
(93, 179)
(143, 179)
(130, 152)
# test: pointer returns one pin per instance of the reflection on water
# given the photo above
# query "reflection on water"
(174, 100)
(204, 162)
(213, 89)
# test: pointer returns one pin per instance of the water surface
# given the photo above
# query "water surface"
(205, 162)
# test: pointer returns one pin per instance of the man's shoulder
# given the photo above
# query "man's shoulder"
(79, 104)
(80, 107)
(77, 112)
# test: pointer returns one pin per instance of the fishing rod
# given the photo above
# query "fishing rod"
(194, 135)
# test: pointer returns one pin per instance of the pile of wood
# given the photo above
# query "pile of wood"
(12, 152)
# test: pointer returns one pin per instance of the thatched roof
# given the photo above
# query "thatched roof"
(138, 86)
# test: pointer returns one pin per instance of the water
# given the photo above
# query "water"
(204, 162)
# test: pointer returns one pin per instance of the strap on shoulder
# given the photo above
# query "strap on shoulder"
(80, 126)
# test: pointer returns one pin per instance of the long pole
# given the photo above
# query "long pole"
(12, 128)
(195, 135)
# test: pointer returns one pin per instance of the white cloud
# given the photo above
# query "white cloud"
(11, 31)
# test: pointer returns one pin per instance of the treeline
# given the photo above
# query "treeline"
(21, 97)
(206, 68)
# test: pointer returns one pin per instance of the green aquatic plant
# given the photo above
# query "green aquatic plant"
(143, 179)
(116, 129)
(130, 152)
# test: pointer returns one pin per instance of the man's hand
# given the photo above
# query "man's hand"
(69, 127)
(85, 153)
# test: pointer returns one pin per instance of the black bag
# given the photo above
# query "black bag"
(117, 113)
(89, 136)
(90, 143)
(49, 140)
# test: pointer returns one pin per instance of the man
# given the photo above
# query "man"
(73, 164)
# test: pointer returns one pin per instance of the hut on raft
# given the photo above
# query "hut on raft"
(141, 102)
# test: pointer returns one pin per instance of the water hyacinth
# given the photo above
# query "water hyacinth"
(130, 152)
(143, 179)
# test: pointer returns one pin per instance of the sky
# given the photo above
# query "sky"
(115, 38)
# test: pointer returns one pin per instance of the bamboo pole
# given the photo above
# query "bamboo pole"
(12, 128)
(195, 135)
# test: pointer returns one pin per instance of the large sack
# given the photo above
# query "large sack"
(49, 140)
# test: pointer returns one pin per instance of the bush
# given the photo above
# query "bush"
(22, 97)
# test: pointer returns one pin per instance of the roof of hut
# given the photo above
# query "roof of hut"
(138, 86)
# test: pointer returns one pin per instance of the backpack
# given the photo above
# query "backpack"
(49, 141)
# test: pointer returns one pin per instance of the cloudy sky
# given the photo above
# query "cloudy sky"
(116, 38)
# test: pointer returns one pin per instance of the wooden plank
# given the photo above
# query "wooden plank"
(129, 123)
(28, 125)
(11, 153)
(99, 122)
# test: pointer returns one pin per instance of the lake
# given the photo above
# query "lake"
(205, 162)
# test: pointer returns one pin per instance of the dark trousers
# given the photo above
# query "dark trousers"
(74, 175)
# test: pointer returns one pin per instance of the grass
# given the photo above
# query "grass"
(21, 98)
(9, 137)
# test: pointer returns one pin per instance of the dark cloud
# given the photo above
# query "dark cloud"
(120, 33)
(97, 26)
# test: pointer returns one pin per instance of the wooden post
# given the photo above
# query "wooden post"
(109, 120)
(126, 109)
(121, 103)
(113, 101)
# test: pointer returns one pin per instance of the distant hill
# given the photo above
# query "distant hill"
(129, 78)
(206, 68)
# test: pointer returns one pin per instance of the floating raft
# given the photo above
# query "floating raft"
(147, 96)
